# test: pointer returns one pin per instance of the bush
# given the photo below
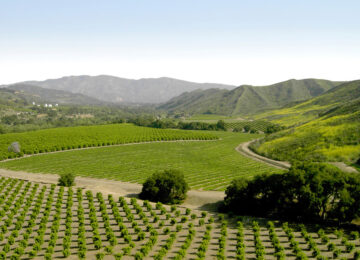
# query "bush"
(309, 191)
(67, 180)
(168, 186)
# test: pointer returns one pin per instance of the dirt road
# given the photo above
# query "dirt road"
(243, 148)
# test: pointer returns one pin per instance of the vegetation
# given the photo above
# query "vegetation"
(249, 126)
(18, 114)
(328, 139)
(310, 192)
(67, 179)
(168, 187)
(328, 128)
(59, 139)
(210, 165)
(247, 100)
(48, 221)
(149, 121)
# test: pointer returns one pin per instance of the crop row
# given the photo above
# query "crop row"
(257, 125)
(49, 222)
(59, 139)
(206, 165)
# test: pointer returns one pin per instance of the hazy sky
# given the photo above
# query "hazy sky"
(236, 42)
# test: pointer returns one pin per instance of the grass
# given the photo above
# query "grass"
(295, 115)
(324, 139)
(209, 165)
(73, 223)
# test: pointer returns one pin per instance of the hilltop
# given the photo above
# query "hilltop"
(246, 99)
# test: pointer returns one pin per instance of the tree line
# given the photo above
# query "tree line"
(307, 192)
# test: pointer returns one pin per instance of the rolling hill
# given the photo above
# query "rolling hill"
(325, 128)
(247, 100)
(121, 90)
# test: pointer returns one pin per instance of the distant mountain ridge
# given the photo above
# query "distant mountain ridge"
(246, 99)
(121, 90)
(35, 93)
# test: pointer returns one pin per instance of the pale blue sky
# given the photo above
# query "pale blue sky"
(234, 42)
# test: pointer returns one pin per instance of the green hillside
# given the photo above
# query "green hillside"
(303, 112)
(332, 132)
(247, 100)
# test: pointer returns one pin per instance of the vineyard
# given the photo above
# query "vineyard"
(46, 222)
(58, 139)
(206, 165)
(257, 125)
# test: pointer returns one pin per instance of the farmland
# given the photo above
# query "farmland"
(46, 221)
(67, 138)
(258, 125)
(209, 165)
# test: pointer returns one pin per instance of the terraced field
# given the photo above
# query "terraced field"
(67, 138)
(209, 165)
(49, 222)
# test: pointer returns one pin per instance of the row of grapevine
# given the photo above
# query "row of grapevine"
(59, 139)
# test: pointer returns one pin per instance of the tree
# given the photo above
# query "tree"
(238, 129)
(308, 191)
(221, 125)
(273, 129)
(247, 128)
(168, 186)
(67, 180)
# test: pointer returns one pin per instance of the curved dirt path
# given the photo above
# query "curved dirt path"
(244, 149)
(200, 200)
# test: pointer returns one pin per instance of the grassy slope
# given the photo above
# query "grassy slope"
(332, 131)
(209, 165)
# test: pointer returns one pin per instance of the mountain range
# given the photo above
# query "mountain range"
(45, 95)
(121, 90)
(175, 95)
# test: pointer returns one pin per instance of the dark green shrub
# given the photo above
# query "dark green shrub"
(67, 180)
(309, 191)
(168, 186)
